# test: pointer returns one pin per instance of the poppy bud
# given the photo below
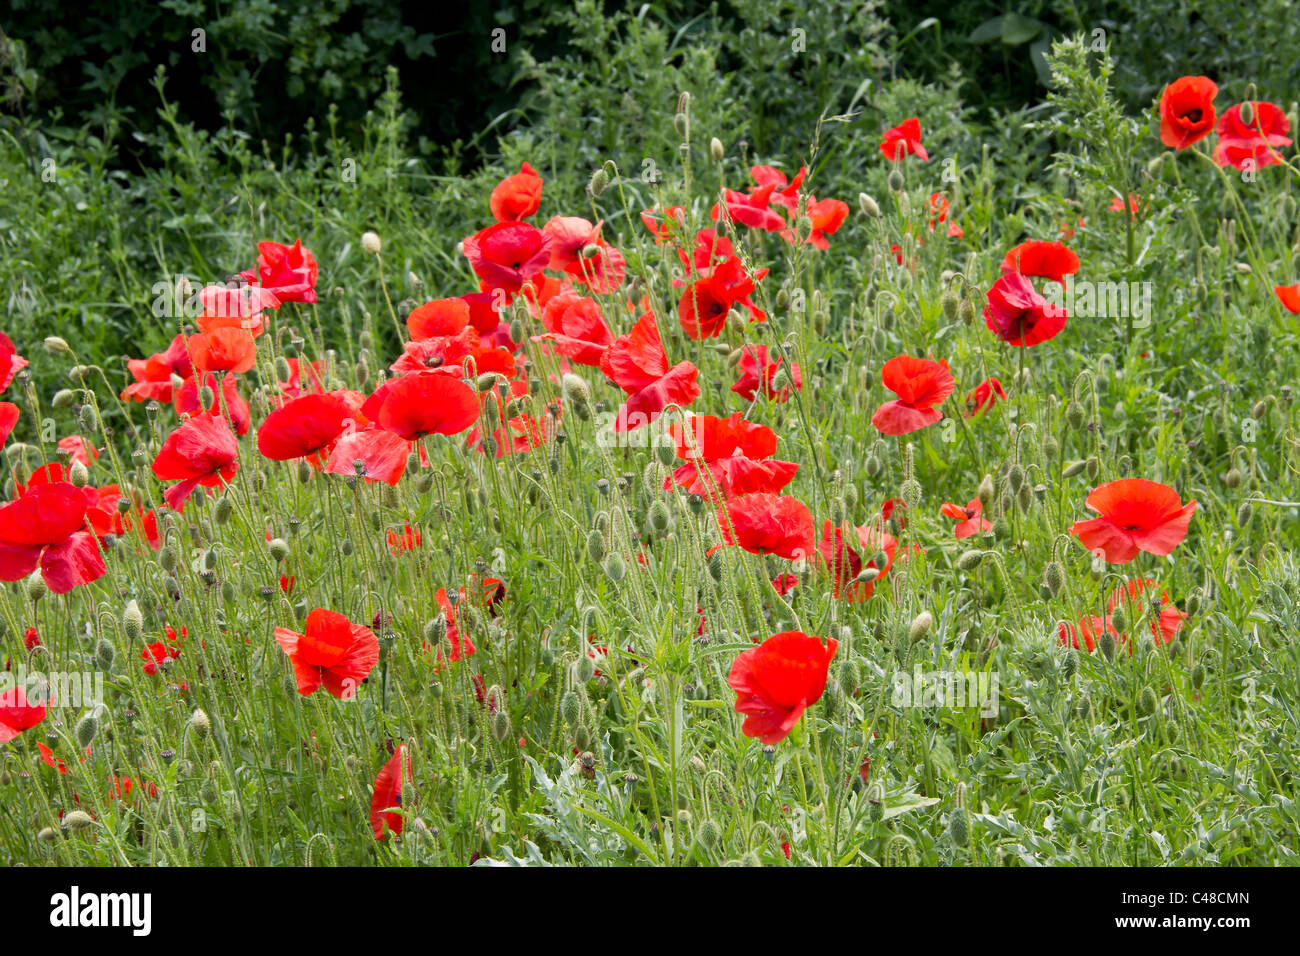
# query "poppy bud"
(1054, 577)
(36, 586)
(920, 626)
(57, 346)
(708, 834)
(966, 311)
(895, 181)
(665, 450)
(570, 708)
(716, 150)
(659, 517)
(1244, 513)
(577, 395)
(582, 737)
(715, 566)
(869, 207)
(501, 726)
(279, 548)
(599, 180)
(89, 418)
(1071, 664)
(76, 820)
(838, 510)
(970, 560)
(104, 655)
(850, 676)
(1016, 477)
(614, 566)
(132, 621)
(1025, 497)
(1092, 466)
(1001, 528)
(1148, 702)
(200, 724)
(681, 124)
(959, 827)
(1233, 478)
(86, 730)
(949, 302)
(874, 466)
(1074, 414)
(1051, 447)
(911, 493)
(63, 398)
(370, 243)
(1192, 606)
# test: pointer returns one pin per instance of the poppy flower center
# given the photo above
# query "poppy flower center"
(1192, 116)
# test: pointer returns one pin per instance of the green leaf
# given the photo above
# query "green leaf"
(1017, 29)
(986, 31)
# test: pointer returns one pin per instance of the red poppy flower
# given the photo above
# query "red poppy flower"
(153, 376)
(778, 680)
(8, 419)
(1187, 111)
(576, 328)
(423, 403)
(902, 141)
(17, 714)
(986, 394)
(396, 773)
(1252, 145)
(1136, 515)
(766, 523)
(381, 453)
(969, 519)
(1018, 315)
(438, 317)
(517, 434)
(1048, 260)
(1134, 204)
(845, 562)
(890, 506)
(568, 236)
(223, 350)
(826, 216)
(334, 653)
(517, 196)
(1089, 632)
(1289, 296)
(757, 371)
(225, 400)
(286, 584)
(407, 540)
(305, 427)
(202, 451)
(784, 194)
(703, 310)
(665, 225)
(601, 269)
(752, 209)
(731, 450)
(638, 364)
(508, 254)
(121, 789)
(74, 446)
(160, 652)
(241, 307)
(1165, 619)
(46, 528)
(920, 384)
(11, 363)
(31, 638)
(287, 272)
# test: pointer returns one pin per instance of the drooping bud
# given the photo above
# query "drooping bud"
(86, 730)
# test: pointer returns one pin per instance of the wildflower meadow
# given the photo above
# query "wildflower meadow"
(876, 484)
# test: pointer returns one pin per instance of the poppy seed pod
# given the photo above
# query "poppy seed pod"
(86, 730)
